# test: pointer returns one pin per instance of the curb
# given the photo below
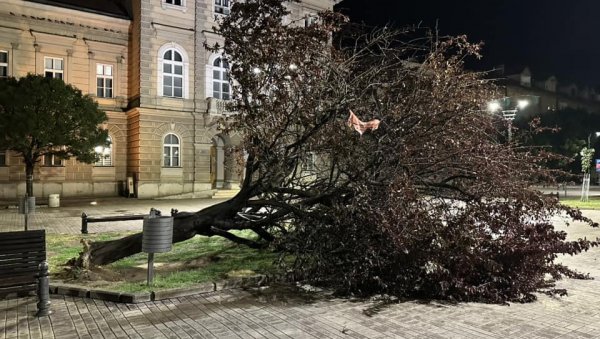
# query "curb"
(59, 288)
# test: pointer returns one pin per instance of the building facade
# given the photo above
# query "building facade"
(145, 64)
(545, 94)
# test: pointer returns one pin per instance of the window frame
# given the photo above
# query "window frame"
(3, 158)
(309, 163)
(174, 152)
(220, 9)
(53, 70)
(310, 20)
(107, 159)
(222, 70)
(173, 75)
(53, 162)
(5, 64)
(160, 70)
(182, 3)
(105, 77)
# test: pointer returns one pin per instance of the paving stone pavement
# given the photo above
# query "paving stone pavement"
(279, 313)
(67, 218)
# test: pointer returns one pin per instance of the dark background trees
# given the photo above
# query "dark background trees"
(45, 117)
(564, 132)
(431, 204)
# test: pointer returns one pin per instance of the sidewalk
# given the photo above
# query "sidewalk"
(67, 218)
(277, 313)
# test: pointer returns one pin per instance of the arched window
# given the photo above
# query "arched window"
(172, 67)
(105, 154)
(171, 151)
(221, 88)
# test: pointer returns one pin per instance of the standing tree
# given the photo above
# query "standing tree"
(426, 202)
(45, 117)
(566, 132)
(587, 154)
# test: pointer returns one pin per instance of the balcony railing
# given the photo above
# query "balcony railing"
(218, 107)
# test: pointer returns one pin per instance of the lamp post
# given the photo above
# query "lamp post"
(508, 114)
(597, 134)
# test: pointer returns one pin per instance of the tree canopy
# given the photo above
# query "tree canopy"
(565, 132)
(44, 116)
(431, 204)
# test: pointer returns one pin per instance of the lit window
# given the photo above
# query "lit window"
(3, 64)
(222, 7)
(174, 2)
(171, 151)
(172, 74)
(104, 153)
(52, 160)
(221, 89)
(53, 68)
(104, 81)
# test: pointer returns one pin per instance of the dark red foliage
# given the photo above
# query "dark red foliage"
(433, 204)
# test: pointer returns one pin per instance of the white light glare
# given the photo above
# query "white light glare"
(256, 70)
(493, 106)
(522, 104)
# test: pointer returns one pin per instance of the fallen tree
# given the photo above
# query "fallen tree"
(426, 201)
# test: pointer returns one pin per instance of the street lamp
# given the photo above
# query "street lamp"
(597, 134)
(508, 113)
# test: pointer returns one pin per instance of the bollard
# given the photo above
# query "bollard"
(26, 206)
(43, 304)
(84, 223)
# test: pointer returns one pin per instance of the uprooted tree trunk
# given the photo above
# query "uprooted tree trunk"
(185, 226)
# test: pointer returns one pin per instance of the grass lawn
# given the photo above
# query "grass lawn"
(197, 260)
(592, 204)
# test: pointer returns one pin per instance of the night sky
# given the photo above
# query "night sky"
(558, 37)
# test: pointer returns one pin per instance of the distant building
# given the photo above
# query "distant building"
(145, 64)
(547, 93)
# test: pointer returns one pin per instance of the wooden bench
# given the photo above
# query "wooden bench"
(23, 267)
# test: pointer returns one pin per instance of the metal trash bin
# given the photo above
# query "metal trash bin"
(157, 237)
(157, 234)
(54, 200)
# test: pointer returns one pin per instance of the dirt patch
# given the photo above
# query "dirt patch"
(100, 275)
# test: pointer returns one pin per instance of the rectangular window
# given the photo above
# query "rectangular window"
(171, 156)
(51, 160)
(104, 81)
(174, 2)
(308, 164)
(310, 20)
(222, 6)
(104, 153)
(3, 64)
(171, 151)
(53, 67)
(104, 161)
(2, 158)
